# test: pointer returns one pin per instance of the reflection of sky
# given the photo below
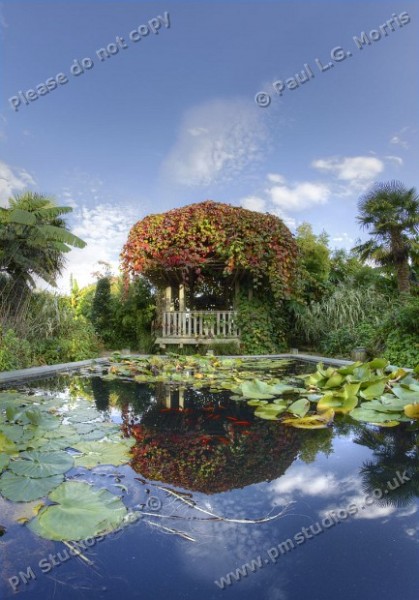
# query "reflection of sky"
(372, 555)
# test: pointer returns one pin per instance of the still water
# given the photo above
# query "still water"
(301, 514)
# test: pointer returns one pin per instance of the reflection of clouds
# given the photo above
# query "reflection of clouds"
(302, 481)
(222, 547)
(306, 480)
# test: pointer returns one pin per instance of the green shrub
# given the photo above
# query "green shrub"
(261, 325)
(15, 353)
(402, 349)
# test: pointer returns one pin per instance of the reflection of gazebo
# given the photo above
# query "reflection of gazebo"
(201, 257)
(209, 448)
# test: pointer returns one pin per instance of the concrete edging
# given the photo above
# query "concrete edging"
(32, 373)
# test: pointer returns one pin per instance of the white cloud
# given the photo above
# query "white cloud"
(254, 203)
(299, 196)
(13, 180)
(105, 230)
(289, 221)
(397, 139)
(276, 178)
(396, 159)
(355, 169)
(216, 142)
(343, 240)
(306, 480)
(3, 22)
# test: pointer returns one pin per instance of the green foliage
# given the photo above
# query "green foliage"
(33, 239)
(261, 325)
(314, 262)
(102, 313)
(15, 353)
(402, 349)
(390, 212)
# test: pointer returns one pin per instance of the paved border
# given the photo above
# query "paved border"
(23, 375)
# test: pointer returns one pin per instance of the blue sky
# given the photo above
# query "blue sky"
(171, 119)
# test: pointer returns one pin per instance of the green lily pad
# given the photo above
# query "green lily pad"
(81, 511)
(4, 461)
(7, 445)
(257, 390)
(41, 464)
(104, 453)
(375, 390)
(24, 489)
(372, 416)
(299, 408)
(257, 402)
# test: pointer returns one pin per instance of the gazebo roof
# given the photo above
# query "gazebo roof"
(211, 239)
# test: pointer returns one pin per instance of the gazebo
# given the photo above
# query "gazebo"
(200, 258)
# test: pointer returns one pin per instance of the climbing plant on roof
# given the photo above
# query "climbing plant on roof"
(213, 240)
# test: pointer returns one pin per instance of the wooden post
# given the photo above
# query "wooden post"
(181, 297)
(168, 298)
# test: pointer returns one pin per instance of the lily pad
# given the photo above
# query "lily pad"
(412, 411)
(103, 453)
(41, 464)
(24, 489)
(4, 461)
(81, 511)
(299, 408)
(7, 445)
(318, 421)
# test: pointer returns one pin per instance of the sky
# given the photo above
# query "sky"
(163, 104)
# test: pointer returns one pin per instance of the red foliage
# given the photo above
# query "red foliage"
(210, 238)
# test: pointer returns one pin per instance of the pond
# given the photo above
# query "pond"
(206, 500)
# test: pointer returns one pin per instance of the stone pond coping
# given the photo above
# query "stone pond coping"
(23, 375)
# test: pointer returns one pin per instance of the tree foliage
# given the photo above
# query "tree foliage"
(212, 239)
(390, 212)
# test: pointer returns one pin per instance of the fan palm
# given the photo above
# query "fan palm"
(391, 213)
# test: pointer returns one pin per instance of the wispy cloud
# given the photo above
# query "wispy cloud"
(105, 230)
(217, 141)
(394, 159)
(254, 203)
(13, 180)
(3, 23)
(354, 170)
(399, 138)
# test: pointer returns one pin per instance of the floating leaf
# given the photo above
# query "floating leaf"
(81, 511)
(406, 394)
(4, 461)
(104, 453)
(378, 363)
(299, 408)
(412, 411)
(41, 464)
(375, 390)
(339, 402)
(257, 390)
(24, 489)
(318, 421)
(371, 416)
(6, 445)
(256, 402)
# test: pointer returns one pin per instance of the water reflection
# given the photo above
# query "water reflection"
(394, 451)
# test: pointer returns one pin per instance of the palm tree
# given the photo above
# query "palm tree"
(33, 240)
(391, 212)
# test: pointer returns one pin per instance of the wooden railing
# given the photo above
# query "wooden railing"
(200, 324)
